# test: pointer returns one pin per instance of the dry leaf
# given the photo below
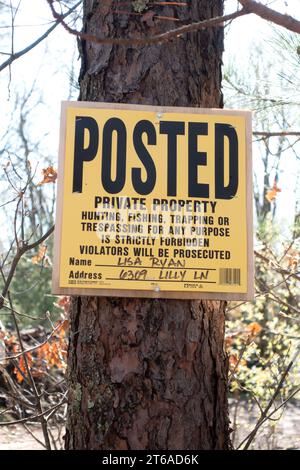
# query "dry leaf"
(292, 258)
(254, 328)
(22, 368)
(49, 174)
(53, 354)
(64, 303)
(228, 341)
(272, 193)
(40, 256)
(233, 360)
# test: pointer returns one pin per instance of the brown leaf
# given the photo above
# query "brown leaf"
(22, 368)
(254, 328)
(64, 302)
(233, 360)
(40, 256)
(228, 342)
(272, 193)
(292, 258)
(49, 174)
(53, 354)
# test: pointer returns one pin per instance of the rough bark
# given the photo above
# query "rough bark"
(149, 374)
(182, 72)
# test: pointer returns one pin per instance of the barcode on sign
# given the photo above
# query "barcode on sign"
(230, 276)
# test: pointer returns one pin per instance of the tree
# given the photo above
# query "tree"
(29, 396)
(143, 373)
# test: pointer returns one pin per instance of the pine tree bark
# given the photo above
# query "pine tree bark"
(144, 373)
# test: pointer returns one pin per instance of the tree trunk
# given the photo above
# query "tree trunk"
(143, 373)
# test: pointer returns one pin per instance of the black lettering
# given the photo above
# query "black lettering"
(196, 159)
(82, 154)
(116, 185)
(144, 187)
(229, 191)
(172, 129)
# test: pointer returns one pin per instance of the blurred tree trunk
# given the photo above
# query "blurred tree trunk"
(149, 374)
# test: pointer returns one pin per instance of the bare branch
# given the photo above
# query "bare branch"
(158, 38)
(278, 269)
(265, 414)
(286, 21)
(40, 240)
(33, 435)
(34, 348)
(20, 252)
(17, 55)
(38, 402)
(277, 134)
(249, 6)
(37, 416)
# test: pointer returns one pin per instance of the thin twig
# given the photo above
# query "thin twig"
(24, 51)
(20, 252)
(278, 269)
(264, 414)
(38, 402)
(286, 21)
(33, 348)
(37, 416)
(276, 134)
(34, 436)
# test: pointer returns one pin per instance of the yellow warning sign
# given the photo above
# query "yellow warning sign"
(154, 202)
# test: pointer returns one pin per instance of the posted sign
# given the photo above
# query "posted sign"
(154, 202)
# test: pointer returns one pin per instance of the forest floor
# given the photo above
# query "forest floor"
(16, 437)
(281, 434)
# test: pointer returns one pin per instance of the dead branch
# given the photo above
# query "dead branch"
(249, 6)
(267, 291)
(277, 269)
(265, 414)
(16, 55)
(33, 435)
(277, 134)
(37, 416)
(159, 38)
(37, 397)
(286, 21)
(20, 252)
(34, 348)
